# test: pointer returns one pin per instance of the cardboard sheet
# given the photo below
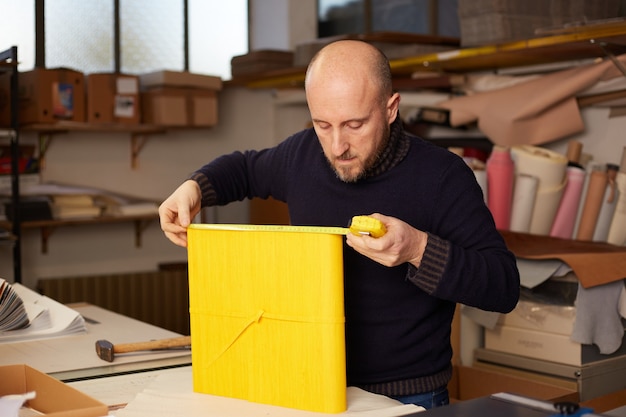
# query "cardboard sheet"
(594, 263)
(534, 112)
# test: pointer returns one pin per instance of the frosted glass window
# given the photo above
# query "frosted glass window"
(218, 30)
(337, 17)
(152, 35)
(79, 34)
(18, 29)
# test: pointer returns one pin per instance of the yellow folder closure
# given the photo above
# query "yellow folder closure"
(267, 314)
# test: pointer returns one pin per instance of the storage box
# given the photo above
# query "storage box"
(546, 346)
(558, 319)
(53, 398)
(591, 380)
(179, 79)
(50, 95)
(113, 98)
(267, 315)
(256, 62)
(171, 106)
(471, 382)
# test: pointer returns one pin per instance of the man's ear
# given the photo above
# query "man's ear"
(392, 107)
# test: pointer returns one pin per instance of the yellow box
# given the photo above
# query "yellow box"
(267, 315)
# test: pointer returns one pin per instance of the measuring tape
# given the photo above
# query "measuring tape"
(361, 225)
(273, 228)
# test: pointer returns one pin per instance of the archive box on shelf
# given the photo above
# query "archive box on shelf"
(267, 315)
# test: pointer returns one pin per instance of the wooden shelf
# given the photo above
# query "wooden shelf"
(49, 226)
(577, 43)
(139, 134)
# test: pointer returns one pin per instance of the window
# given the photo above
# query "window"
(151, 34)
(339, 17)
(17, 28)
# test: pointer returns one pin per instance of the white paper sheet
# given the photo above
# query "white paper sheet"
(171, 395)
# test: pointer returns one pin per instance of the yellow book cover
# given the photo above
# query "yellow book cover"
(267, 315)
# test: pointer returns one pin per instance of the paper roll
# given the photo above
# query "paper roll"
(481, 179)
(617, 231)
(549, 167)
(544, 211)
(565, 219)
(524, 195)
(593, 202)
(611, 195)
(500, 181)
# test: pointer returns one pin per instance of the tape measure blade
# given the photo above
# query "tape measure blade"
(272, 228)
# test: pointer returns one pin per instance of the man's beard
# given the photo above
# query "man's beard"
(346, 175)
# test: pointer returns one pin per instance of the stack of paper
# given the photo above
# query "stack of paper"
(46, 318)
(12, 312)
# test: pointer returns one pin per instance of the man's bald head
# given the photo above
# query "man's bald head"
(351, 61)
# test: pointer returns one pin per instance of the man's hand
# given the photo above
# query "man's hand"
(402, 243)
(176, 212)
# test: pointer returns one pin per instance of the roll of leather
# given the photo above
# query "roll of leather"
(565, 219)
(549, 167)
(524, 195)
(593, 202)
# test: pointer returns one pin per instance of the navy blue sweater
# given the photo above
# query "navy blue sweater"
(397, 319)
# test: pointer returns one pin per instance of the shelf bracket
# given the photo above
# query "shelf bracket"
(140, 227)
(45, 139)
(46, 232)
(137, 142)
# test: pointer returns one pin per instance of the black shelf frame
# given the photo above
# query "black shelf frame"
(9, 57)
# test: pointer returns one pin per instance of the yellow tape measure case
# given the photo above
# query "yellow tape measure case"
(267, 315)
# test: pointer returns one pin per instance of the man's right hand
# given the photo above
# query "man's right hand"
(176, 212)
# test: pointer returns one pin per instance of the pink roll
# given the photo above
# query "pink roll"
(500, 181)
(565, 219)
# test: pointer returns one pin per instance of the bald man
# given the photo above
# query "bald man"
(441, 247)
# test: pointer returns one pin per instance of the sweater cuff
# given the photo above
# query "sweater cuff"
(432, 266)
(209, 196)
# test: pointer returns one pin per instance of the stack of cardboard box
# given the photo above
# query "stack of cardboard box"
(163, 98)
(179, 99)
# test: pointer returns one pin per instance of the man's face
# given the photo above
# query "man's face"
(353, 128)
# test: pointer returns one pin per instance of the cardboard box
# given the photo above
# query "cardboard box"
(530, 315)
(256, 62)
(470, 382)
(53, 397)
(546, 346)
(179, 79)
(170, 106)
(113, 98)
(50, 95)
(267, 315)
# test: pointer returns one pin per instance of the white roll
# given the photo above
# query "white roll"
(481, 178)
(547, 165)
(524, 195)
(549, 168)
(617, 231)
(544, 211)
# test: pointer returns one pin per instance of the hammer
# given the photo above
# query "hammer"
(107, 350)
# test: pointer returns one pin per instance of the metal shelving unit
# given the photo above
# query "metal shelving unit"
(8, 64)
